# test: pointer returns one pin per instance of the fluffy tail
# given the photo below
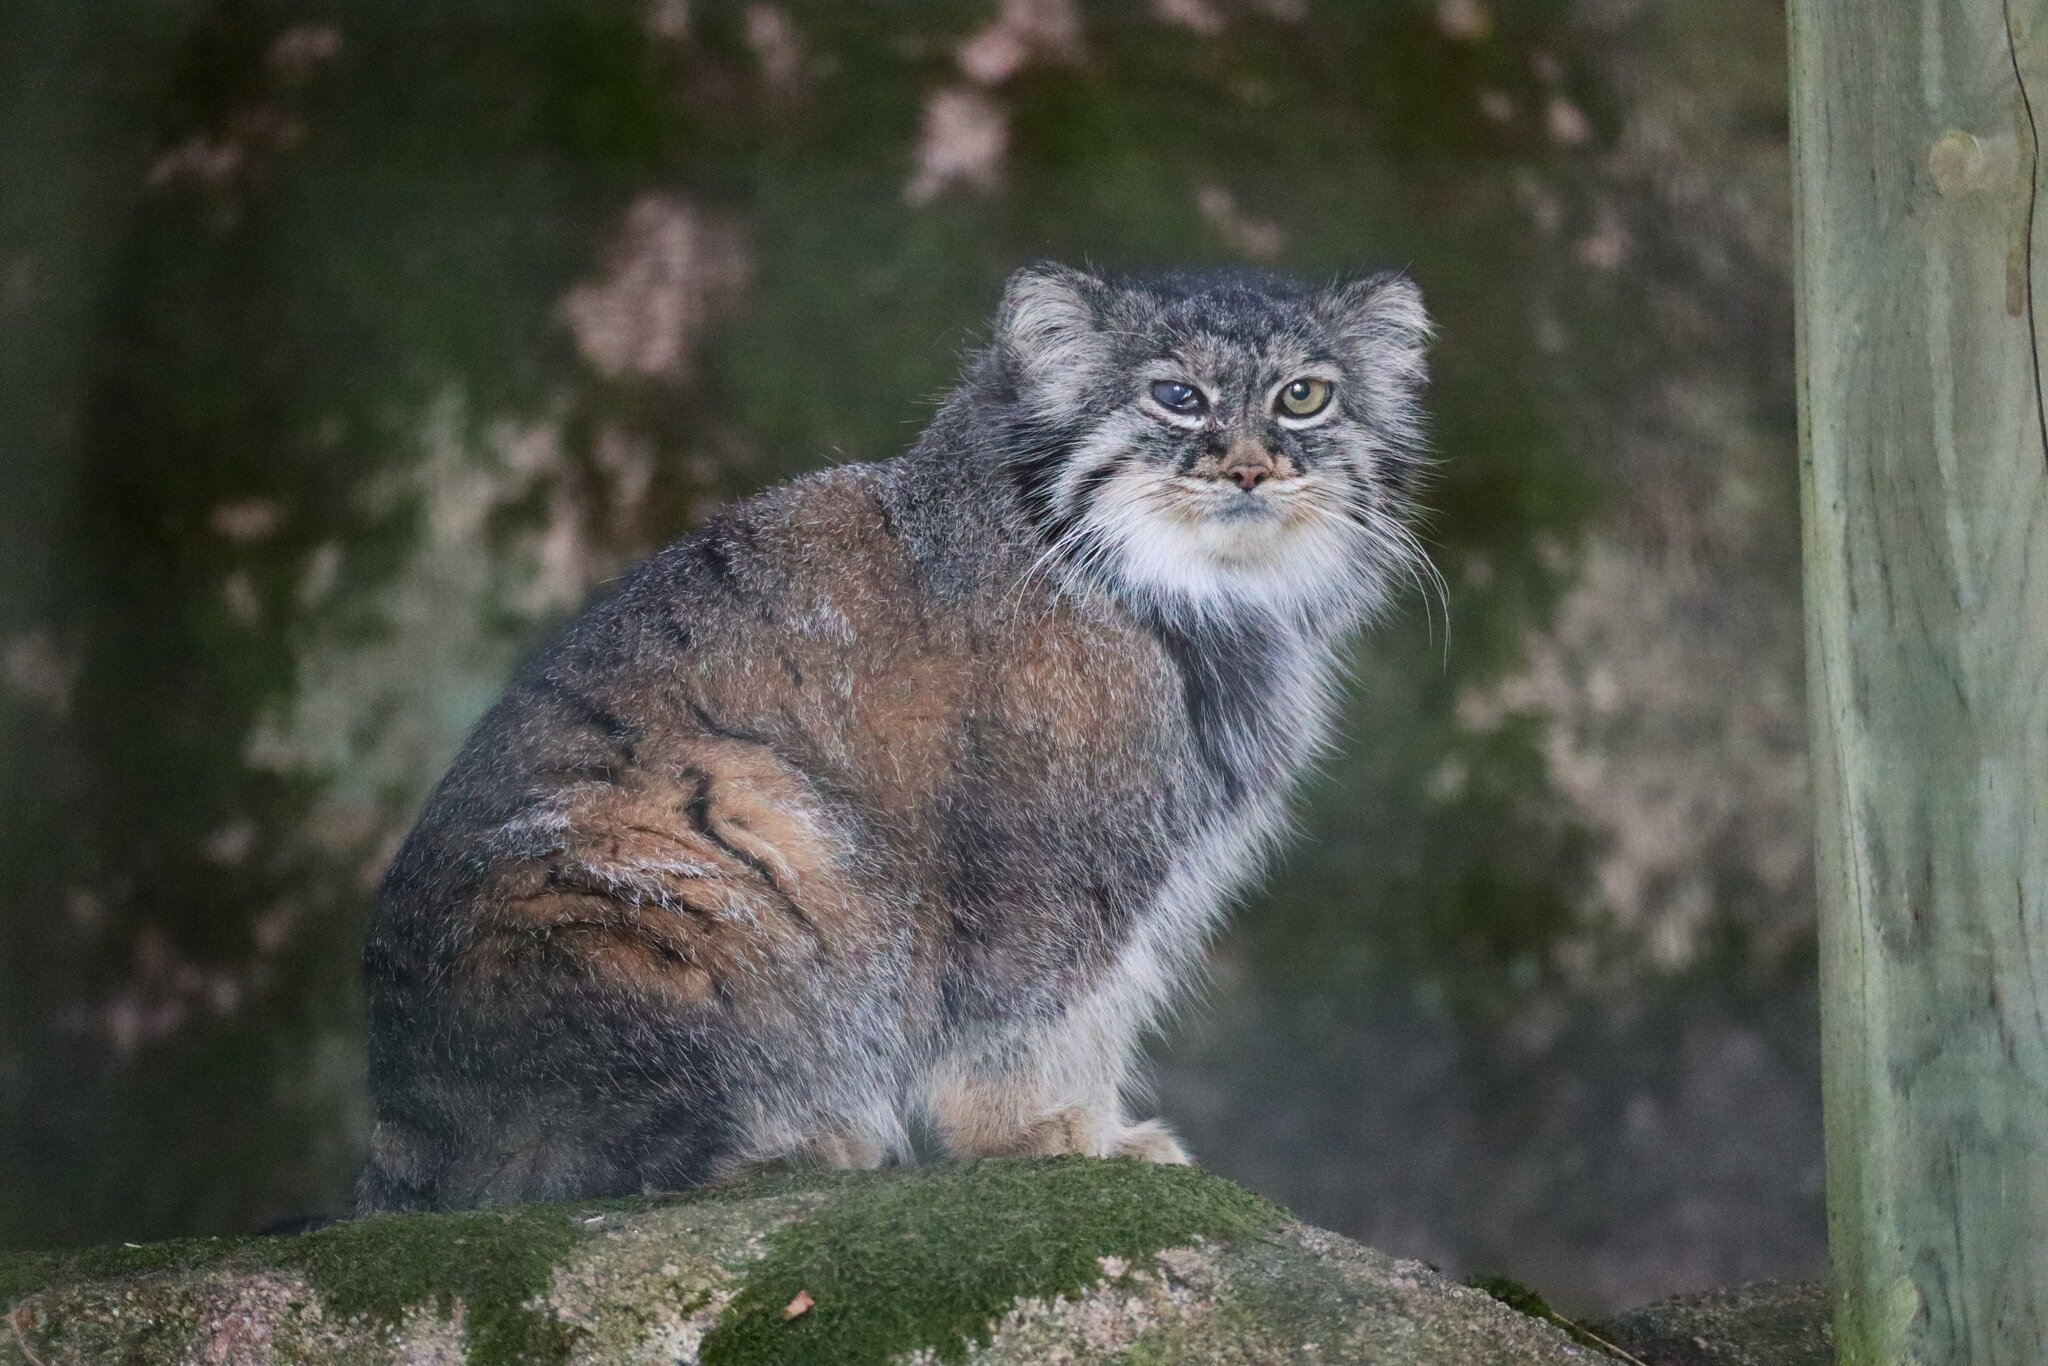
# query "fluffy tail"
(401, 1171)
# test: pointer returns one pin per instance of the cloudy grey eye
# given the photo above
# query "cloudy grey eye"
(1176, 397)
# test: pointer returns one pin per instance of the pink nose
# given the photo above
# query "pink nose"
(1249, 469)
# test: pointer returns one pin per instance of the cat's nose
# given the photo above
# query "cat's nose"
(1249, 466)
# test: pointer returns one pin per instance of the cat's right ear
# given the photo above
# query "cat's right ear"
(1049, 335)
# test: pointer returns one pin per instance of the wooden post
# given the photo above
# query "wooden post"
(1916, 152)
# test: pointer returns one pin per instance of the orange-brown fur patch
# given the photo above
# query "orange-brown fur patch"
(990, 1120)
(675, 888)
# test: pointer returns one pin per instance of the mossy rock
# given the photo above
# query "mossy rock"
(1766, 1324)
(1069, 1260)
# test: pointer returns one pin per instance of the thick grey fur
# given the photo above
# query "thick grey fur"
(925, 781)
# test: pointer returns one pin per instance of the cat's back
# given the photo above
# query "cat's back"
(772, 617)
(856, 661)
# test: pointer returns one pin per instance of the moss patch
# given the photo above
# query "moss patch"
(494, 1261)
(892, 1260)
(1522, 1299)
(24, 1273)
(931, 1261)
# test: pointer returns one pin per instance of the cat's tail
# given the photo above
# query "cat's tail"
(402, 1172)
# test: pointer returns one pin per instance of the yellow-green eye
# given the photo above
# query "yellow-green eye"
(1305, 397)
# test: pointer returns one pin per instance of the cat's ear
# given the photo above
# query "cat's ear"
(1386, 332)
(1049, 334)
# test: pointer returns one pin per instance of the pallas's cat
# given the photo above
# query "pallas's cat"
(904, 794)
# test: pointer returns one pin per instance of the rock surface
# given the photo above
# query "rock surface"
(1069, 1260)
(1767, 1324)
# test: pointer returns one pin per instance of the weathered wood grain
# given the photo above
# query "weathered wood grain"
(1917, 165)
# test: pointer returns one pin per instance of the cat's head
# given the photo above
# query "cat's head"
(1217, 442)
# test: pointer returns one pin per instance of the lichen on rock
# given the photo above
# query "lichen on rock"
(651, 1284)
(1067, 1260)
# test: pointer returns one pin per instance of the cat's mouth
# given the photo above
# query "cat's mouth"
(1241, 507)
(1193, 539)
(1270, 507)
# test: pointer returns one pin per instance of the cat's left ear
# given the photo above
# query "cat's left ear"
(1387, 332)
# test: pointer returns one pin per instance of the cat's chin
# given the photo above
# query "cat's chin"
(1239, 557)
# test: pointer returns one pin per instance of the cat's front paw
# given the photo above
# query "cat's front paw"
(1153, 1142)
(992, 1131)
(1091, 1133)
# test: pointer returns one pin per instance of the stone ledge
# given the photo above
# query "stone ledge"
(1068, 1260)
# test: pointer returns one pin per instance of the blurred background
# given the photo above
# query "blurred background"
(347, 345)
